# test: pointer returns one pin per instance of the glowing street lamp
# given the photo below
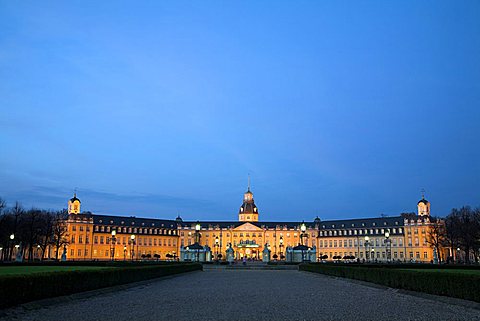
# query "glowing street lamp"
(388, 245)
(303, 229)
(198, 227)
(367, 243)
(132, 245)
(112, 244)
(281, 246)
(217, 246)
(12, 237)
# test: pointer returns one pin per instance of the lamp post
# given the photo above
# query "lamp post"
(367, 243)
(12, 237)
(132, 245)
(112, 244)
(388, 244)
(303, 228)
(197, 238)
(275, 244)
(125, 252)
(372, 256)
(217, 244)
(303, 235)
(458, 255)
(281, 246)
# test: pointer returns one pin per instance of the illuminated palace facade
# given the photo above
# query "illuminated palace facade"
(103, 237)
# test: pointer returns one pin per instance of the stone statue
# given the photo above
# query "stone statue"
(64, 254)
(266, 254)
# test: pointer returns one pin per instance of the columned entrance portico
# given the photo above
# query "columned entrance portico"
(248, 249)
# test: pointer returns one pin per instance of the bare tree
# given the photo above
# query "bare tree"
(436, 235)
(46, 232)
(60, 233)
(463, 231)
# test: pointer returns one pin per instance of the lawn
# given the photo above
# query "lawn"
(12, 270)
(449, 271)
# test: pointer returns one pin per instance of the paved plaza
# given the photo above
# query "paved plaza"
(220, 294)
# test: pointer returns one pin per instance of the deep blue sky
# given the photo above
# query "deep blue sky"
(337, 109)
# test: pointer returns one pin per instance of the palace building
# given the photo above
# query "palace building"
(103, 237)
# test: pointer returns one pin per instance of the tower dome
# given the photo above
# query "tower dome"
(248, 211)
(423, 206)
(74, 205)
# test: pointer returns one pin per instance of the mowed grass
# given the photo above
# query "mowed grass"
(12, 270)
(449, 271)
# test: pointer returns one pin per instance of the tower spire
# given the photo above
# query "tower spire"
(423, 193)
(249, 182)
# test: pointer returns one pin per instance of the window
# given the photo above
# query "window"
(79, 252)
(425, 256)
(95, 239)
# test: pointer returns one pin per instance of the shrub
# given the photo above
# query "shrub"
(16, 289)
(458, 285)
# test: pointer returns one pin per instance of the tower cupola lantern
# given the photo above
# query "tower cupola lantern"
(248, 211)
(74, 204)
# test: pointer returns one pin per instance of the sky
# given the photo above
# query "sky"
(341, 109)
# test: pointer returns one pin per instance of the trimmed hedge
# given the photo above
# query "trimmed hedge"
(89, 263)
(16, 289)
(407, 266)
(458, 285)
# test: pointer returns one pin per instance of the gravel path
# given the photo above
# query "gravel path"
(249, 295)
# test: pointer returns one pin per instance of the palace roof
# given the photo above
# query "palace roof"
(133, 221)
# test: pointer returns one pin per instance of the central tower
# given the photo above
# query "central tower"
(248, 211)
